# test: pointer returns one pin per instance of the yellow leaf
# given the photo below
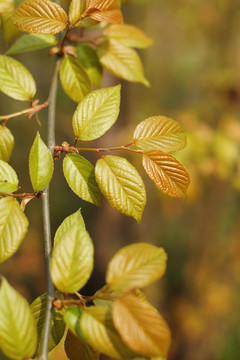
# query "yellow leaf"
(136, 265)
(40, 16)
(128, 35)
(141, 327)
(168, 174)
(104, 10)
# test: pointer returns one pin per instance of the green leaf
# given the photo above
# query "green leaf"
(121, 184)
(76, 349)
(74, 79)
(18, 335)
(15, 80)
(72, 259)
(159, 133)
(8, 178)
(76, 8)
(6, 143)
(80, 176)
(94, 325)
(128, 35)
(40, 16)
(141, 327)
(121, 61)
(40, 164)
(167, 173)
(88, 58)
(13, 227)
(32, 42)
(38, 308)
(67, 223)
(136, 265)
(96, 113)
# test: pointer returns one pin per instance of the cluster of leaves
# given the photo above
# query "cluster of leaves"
(121, 323)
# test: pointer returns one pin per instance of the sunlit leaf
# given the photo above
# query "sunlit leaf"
(76, 8)
(141, 327)
(39, 307)
(128, 35)
(167, 173)
(72, 259)
(76, 349)
(15, 79)
(30, 42)
(106, 11)
(95, 326)
(136, 265)
(74, 79)
(40, 16)
(8, 178)
(13, 227)
(80, 176)
(40, 164)
(121, 184)
(67, 223)
(96, 113)
(18, 334)
(159, 133)
(121, 61)
(87, 57)
(6, 143)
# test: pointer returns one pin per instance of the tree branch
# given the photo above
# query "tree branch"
(46, 214)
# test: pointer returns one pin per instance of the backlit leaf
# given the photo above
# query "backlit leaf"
(104, 10)
(38, 308)
(141, 327)
(87, 57)
(40, 164)
(128, 35)
(67, 223)
(18, 334)
(96, 113)
(40, 16)
(8, 178)
(136, 265)
(30, 42)
(74, 79)
(95, 326)
(76, 349)
(121, 61)
(6, 5)
(168, 173)
(159, 133)
(6, 143)
(80, 176)
(76, 8)
(72, 259)
(15, 79)
(13, 227)
(121, 184)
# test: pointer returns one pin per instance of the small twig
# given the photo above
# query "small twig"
(30, 111)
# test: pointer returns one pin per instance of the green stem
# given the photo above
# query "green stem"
(124, 147)
(46, 215)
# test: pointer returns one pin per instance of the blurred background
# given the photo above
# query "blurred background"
(194, 70)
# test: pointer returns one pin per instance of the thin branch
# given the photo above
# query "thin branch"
(46, 214)
(31, 111)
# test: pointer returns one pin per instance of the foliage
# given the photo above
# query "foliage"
(117, 320)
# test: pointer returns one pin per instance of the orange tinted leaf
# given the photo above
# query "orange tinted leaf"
(141, 327)
(40, 16)
(168, 173)
(104, 10)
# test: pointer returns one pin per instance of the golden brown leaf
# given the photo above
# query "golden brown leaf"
(104, 10)
(168, 173)
(141, 327)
